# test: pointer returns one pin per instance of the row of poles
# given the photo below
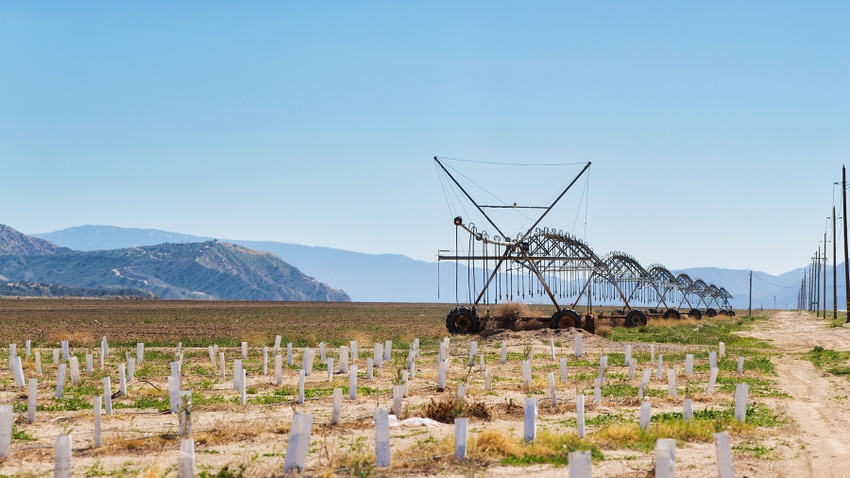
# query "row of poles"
(812, 295)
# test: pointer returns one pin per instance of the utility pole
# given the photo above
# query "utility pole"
(750, 308)
(846, 266)
(816, 277)
(816, 283)
(834, 266)
(824, 275)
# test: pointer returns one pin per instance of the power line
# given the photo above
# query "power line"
(775, 285)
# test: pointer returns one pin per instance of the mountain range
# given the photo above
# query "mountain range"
(397, 278)
(198, 270)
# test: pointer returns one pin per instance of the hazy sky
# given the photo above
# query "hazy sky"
(715, 129)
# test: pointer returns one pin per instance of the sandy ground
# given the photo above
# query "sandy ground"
(818, 432)
(811, 442)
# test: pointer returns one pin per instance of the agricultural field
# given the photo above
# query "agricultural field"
(140, 437)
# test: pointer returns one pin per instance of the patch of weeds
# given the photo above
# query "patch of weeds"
(320, 392)
(552, 449)
(89, 390)
(360, 461)
(225, 472)
(619, 390)
(759, 387)
(830, 361)
(756, 449)
(96, 469)
(157, 403)
(706, 332)
(556, 460)
(280, 395)
(199, 399)
(22, 435)
(758, 363)
(202, 371)
(603, 419)
(67, 405)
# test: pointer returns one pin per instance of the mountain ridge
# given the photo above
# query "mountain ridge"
(197, 270)
(397, 278)
(16, 242)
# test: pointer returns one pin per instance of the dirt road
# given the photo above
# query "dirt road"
(816, 440)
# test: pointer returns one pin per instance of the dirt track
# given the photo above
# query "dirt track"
(816, 441)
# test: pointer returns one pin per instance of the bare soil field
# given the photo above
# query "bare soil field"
(797, 428)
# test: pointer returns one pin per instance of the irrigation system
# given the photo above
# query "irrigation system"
(553, 264)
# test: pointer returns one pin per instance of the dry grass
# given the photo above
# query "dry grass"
(79, 338)
(141, 446)
(256, 339)
(224, 432)
(603, 330)
(448, 408)
(155, 471)
(365, 342)
(662, 322)
(494, 444)
(617, 435)
(512, 309)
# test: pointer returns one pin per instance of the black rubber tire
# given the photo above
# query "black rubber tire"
(635, 318)
(723, 313)
(695, 314)
(589, 324)
(565, 318)
(732, 313)
(672, 314)
(709, 312)
(462, 320)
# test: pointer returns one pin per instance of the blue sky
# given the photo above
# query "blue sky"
(715, 129)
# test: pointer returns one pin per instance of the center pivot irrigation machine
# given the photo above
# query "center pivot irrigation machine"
(552, 265)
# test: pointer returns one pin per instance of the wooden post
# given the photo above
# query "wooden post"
(834, 270)
(846, 265)
(750, 306)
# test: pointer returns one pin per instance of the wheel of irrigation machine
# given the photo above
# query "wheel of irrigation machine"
(635, 318)
(723, 312)
(589, 324)
(709, 312)
(565, 318)
(695, 314)
(731, 313)
(462, 320)
(672, 314)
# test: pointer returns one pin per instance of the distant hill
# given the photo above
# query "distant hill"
(14, 242)
(364, 277)
(396, 278)
(204, 270)
(36, 289)
(93, 238)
